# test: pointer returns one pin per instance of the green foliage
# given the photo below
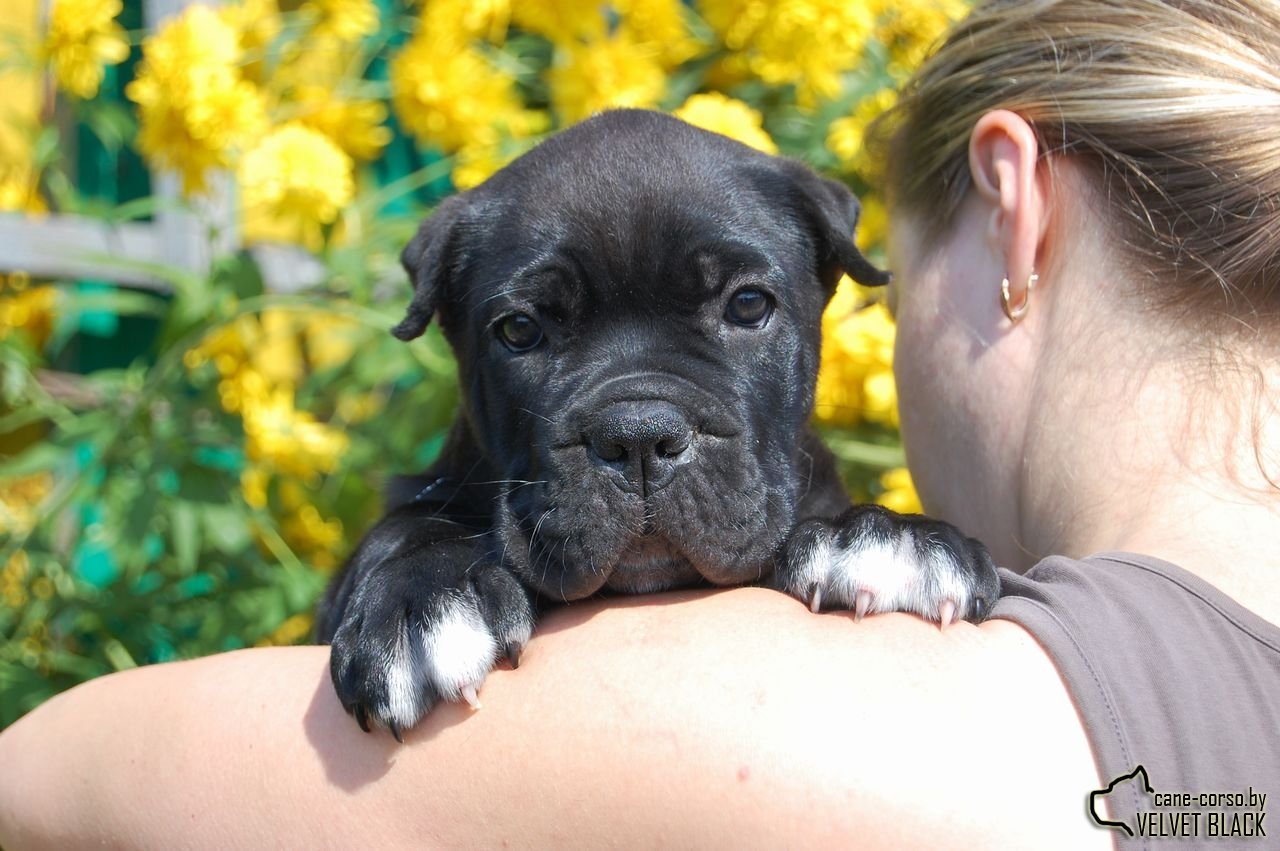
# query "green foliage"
(145, 547)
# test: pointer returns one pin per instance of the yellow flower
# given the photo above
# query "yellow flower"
(256, 24)
(855, 382)
(254, 481)
(846, 136)
(22, 86)
(733, 118)
(330, 339)
(314, 537)
(873, 224)
(660, 23)
(277, 355)
(909, 28)
(355, 125)
(316, 61)
(459, 21)
(287, 440)
(226, 346)
(20, 497)
(294, 629)
(26, 309)
(19, 187)
(355, 407)
(13, 579)
(565, 22)
(453, 97)
(83, 37)
(240, 389)
(806, 42)
(608, 72)
(195, 108)
(345, 20)
(475, 165)
(293, 181)
(899, 492)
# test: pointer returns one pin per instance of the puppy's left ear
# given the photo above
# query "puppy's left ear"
(429, 259)
(831, 210)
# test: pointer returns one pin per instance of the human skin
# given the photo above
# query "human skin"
(738, 718)
(1093, 423)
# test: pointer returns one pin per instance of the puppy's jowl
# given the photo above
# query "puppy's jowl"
(636, 307)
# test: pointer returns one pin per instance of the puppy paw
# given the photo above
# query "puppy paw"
(415, 634)
(871, 559)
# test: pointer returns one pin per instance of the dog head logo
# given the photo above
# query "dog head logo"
(1098, 812)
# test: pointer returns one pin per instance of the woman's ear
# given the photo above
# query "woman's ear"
(1004, 162)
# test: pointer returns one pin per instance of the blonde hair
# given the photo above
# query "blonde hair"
(1173, 105)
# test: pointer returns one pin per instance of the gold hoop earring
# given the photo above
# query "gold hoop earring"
(1016, 313)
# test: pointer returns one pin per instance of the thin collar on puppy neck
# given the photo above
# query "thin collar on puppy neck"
(422, 494)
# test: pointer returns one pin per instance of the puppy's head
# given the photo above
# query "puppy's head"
(635, 305)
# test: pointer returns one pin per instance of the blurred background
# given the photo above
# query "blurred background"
(201, 211)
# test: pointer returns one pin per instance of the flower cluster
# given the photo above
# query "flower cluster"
(196, 109)
(83, 37)
(259, 361)
(856, 381)
(810, 44)
(733, 118)
(295, 181)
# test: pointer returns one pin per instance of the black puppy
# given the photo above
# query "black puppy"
(635, 306)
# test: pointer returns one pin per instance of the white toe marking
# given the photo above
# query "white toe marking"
(883, 568)
(458, 649)
(898, 578)
(403, 667)
(817, 561)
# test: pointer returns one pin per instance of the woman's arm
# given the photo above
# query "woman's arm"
(729, 718)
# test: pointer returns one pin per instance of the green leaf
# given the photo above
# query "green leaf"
(47, 147)
(226, 527)
(37, 459)
(139, 517)
(200, 484)
(111, 121)
(117, 300)
(184, 530)
(118, 655)
(867, 454)
(239, 274)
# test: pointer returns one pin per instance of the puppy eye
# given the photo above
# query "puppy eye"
(750, 308)
(519, 332)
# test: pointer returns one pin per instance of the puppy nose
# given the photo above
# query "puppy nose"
(645, 441)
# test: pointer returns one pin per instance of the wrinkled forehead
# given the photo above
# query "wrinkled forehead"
(678, 252)
(640, 219)
(672, 214)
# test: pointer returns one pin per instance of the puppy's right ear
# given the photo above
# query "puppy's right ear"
(429, 260)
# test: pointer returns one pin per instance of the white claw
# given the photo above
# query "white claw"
(816, 602)
(469, 695)
(861, 604)
(946, 613)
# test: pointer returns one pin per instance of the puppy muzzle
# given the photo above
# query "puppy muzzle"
(641, 443)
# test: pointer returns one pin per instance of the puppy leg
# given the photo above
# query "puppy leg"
(418, 618)
(871, 559)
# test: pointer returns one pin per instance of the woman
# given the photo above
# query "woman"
(1086, 203)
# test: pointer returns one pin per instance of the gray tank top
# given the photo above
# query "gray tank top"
(1169, 674)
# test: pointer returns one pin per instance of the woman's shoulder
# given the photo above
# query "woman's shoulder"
(694, 718)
